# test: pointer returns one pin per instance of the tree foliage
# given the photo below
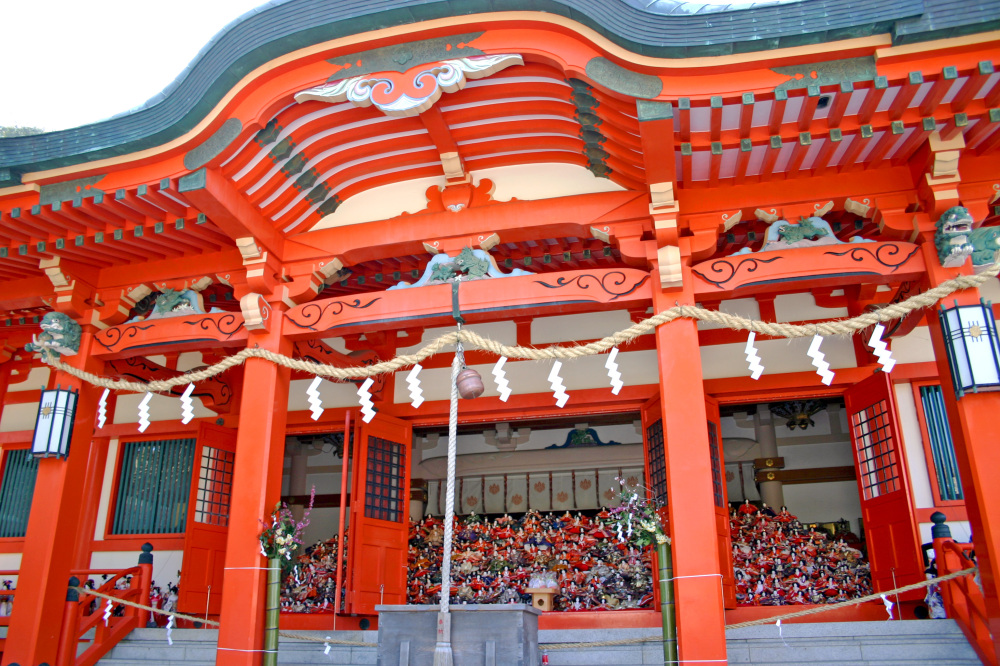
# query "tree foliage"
(7, 131)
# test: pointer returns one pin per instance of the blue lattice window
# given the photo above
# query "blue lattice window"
(16, 489)
(945, 467)
(154, 484)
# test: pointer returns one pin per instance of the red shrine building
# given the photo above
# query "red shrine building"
(339, 182)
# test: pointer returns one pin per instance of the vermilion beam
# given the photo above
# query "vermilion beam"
(213, 194)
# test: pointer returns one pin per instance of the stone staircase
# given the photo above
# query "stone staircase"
(938, 642)
(196, 647)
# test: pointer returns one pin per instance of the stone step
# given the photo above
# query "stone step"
(907, 642)
(938, 642)
(194, 647)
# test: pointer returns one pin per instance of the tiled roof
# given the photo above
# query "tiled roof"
(647, 28)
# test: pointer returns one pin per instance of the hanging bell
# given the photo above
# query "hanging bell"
(470, 384)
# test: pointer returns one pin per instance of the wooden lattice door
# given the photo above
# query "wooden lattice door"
(380, 512)
(207, 521)
(883, 483)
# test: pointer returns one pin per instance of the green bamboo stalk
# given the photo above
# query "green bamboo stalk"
(667, 603)
(271, 614)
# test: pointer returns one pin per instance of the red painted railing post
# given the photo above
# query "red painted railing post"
(145, 582)
(68, 638)
(941, 534)
(963, 600)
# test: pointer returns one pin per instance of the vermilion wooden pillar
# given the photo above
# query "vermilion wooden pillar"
(701, 619)
(53, 535)
(973, 421)
(260, 447)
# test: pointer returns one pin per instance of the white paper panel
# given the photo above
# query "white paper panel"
(587, 490)
(433, 486)
(562, 492)
(493, 495)
(538, 492)
(472, 495)
(517, 494)
(609, 487)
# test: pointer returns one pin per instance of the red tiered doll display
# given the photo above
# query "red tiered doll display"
(311, 586)
(494, 561)
(778, 561)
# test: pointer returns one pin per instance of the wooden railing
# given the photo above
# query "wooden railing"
(85, 612)
(963, 598)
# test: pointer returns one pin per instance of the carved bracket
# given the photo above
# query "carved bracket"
(318, 351)
(215, 393)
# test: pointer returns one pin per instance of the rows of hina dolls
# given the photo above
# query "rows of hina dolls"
(495, 561)
(776, 560)
(779, 561)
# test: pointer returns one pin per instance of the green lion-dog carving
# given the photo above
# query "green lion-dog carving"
(60, 335)
(986, 244)
(804, 230)
(952, 237)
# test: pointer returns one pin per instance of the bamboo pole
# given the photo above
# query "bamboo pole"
(667, 603)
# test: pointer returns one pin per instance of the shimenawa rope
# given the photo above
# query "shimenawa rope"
(775, 329)
(564, 646)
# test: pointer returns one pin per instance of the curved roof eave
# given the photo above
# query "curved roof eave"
(283, 26)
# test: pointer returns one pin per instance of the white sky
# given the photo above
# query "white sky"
(65, 63)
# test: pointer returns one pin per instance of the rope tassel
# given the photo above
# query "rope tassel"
(558, 389)
(365, 398)
(753, 360)
(818, 357)
(413, 382)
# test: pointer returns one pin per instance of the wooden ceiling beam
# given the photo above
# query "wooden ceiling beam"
(684, 119)
(85, 222)
(990, 143)
(171, 207)
(120, 209)
(35, 227)
(830, 145)
(743, 160)
(116, 252)
(982, 128)
(840, 102)
(972, 85)
(808, 108)
(799, 151)
(12, 230)
(914, 141)
(907, 91)
(770, 158)
(873, 97)
(202, 233)
(940, 88)
(954, 125)
(858, 144)
(746, 114)
(216, 196)
(103, 215)
(131, 199)
(715, 117)
(777, 112)
(887, 141)
(81, 256)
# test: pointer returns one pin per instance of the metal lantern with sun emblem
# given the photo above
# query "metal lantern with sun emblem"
(970, 335)
(54, 425)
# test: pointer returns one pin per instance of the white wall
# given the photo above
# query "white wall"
(166, 563)
(525, 182)
(913, 445)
